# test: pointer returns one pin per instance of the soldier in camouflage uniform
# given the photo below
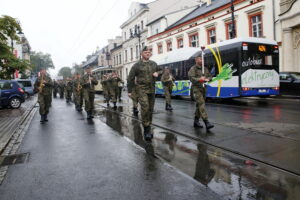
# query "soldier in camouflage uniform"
(61, 86)
(69, 89)
(55, 88)
(104, 88)
(198, 79)
(113, 88)
(88, 82)
(167, 80)
(43, 85)
(134, 97)
(143, 75)
(77, 92)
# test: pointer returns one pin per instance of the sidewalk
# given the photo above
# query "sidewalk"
(72, 158)
(10, 119)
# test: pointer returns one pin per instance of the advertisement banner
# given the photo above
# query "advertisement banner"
(181, 88)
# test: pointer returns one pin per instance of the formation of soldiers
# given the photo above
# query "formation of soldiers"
(140, 85)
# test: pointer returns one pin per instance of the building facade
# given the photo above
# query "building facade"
(289, 19)
(211, 22)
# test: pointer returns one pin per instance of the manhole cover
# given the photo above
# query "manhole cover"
(13, 159)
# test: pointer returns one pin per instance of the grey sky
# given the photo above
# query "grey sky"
(68, 29)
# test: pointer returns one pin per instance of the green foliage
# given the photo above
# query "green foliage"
(41, 61)
(65, 72)
(8, 62)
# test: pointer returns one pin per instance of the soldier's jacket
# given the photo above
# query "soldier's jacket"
(55, 85)
(46, 89)
(104, 84)
(167, 80)
(113, 82)
(86, 83)
(69, 86)
(61, 85)
(75, 84)
(141, 75)
(195, 74)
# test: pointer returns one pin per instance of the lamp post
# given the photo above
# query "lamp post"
(232, 19)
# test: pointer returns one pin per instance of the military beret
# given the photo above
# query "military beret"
(145, 48)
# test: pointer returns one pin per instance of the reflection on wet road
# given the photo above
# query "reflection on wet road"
(230, 175)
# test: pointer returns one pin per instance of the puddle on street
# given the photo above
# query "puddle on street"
(229, 175)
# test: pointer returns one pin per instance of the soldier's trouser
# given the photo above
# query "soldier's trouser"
(44, 101)
(78, 99)
(54, 92)
(88, 100)
(147, 106)
(199, 95)
(114, 94)
(134, 97)
(120, 92)
(68, 94)
(168, 93)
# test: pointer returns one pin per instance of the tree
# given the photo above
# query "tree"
(65, 72)
(40, 60)
(8, 62)
(77, 69)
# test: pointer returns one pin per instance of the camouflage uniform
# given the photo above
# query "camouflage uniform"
(44, 96)
(61, 86)
(88, 92)
(199, 90)
(69, 89)
(55, 89)
(104, 88)
(141, 76)
(78, 94)
(167, 81)
(113, 88)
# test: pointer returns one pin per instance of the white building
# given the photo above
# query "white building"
(289, 35)
(211, 22)
(134, 30)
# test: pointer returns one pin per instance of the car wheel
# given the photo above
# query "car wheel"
(26, 95)
(15, 102)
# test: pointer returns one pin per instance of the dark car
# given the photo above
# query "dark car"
(28, 86)
(11, 94)
(290, 83)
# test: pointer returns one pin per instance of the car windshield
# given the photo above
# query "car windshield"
(296, 75)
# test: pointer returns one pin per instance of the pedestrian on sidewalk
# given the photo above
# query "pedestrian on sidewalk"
(143, 75)
(88, 82)
(43, 85)
(198, 78)
(167, 80)
(77, 92)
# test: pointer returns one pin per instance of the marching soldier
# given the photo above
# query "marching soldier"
(55, 88)
(198, 78)
(77, 92)
(43, 85)
(69, 88)
(120, 85)
(114, 87)
(167, 80)
(134, 97)
(104, 83)
(61, 86)
(142, 76)
(88, 82)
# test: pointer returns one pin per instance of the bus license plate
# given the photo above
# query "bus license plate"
(262, 91)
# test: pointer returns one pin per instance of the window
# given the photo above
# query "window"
(229, 31)
(194, 40)
(179, 43)
(159, 48)
(211, 35)
(7, 85)
(131, 54)
(142, 25)
(120, 59)
(125, 55)
(124, 35)
(255, 23)
(136, 51)
(169, 46)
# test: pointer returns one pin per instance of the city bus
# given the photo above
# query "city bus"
(98, 73)
(240, 67)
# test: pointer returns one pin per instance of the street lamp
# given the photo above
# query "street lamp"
(137, 33)
(232, 19)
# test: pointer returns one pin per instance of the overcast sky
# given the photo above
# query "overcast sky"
(68, 29)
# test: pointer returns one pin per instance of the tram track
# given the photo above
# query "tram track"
(197, 139)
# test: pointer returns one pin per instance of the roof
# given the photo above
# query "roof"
(176, 55)
(200, 11)
(92, 60)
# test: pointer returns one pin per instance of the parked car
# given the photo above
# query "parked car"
(28, 86)
(290, 83)
(11, 94)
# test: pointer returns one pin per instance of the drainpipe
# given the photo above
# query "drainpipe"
(274, 22)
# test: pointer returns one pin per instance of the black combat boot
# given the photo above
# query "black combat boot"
(170, 107)
(42, 119)
(147, 134)
(79, 109)
(45, 118)
(107, 104)
(167, 106)
(89, 115)
(115, 105)
(135, 111)
(208, 125)
(197, 124)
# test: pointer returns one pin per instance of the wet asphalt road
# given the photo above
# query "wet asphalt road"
(72, 158)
